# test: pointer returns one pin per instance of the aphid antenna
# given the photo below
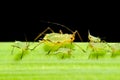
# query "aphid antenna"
(76, 32)
(48, 28)
(57, 24)
(26, 40)
(65, 28)
(88, 32)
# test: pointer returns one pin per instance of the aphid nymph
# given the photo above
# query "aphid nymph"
(23, 46)
(99, 47)
(93, 38)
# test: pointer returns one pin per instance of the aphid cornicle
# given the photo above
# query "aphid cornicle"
(54, 42)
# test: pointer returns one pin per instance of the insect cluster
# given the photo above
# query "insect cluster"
(61, 44)
(100, 48)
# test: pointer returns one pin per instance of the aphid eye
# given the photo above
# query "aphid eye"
(58, 42)
(90, 37)
(71, 38)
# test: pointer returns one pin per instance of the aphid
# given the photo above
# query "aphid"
(54, 42)
(97, 47)
(97, 50)
(93, 38)
(64, 52)
(115, 47)
(23, 46)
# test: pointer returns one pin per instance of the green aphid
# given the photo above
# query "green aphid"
(52, 47)
(97, 50)
(24, 47)
(93, 38)
(20, 55)
(115, 47)
(53, 42)
(63, 53)
(97, 47)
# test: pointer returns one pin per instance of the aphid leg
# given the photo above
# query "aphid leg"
(87, 46)
(12, 50)
(69, 50)
(93, 55)
(61, 31)
(78, 35)
(50, 50)
(106, 43)
(63, 56)
(48, 28)
(71, 45)
(68, 53)
(64, 27)
(80, 48)
(22, 54)
(36, 45)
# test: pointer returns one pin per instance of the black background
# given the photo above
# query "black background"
(16, 23)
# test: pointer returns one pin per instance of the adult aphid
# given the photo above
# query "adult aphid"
(54, 42)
